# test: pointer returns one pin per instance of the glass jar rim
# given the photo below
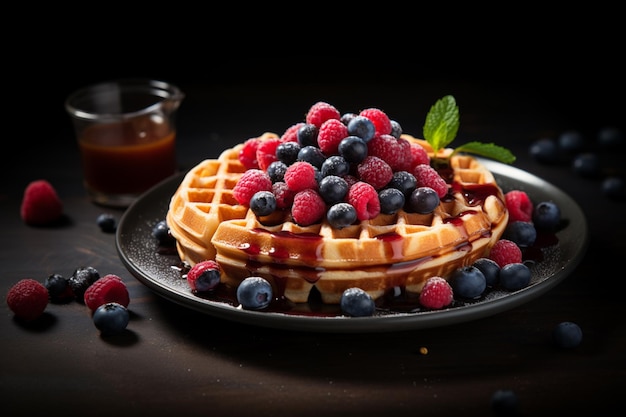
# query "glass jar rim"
(81, 104)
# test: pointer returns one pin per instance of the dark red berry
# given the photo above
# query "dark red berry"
(251, 181)
(308, 207)
(27, 299)
(505, 252)
(375, 172)
(320, 112)
(364, 198)
(519, 205)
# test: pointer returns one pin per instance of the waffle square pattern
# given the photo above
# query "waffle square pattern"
(390, 250)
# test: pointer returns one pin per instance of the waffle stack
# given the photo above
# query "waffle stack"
(390, 251)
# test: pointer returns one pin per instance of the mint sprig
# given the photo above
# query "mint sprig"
(441, 127)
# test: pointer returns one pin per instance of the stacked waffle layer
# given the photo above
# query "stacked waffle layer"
(390, 251)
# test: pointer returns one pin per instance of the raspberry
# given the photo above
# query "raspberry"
(519, 205)
(350, 179)
(505, 252)
(364, 198)
(427, 176)
(251, 181)
(308, 207)
(380, 120)
(41, 204)
(300, 175)
(375, 171)
(436, 293)
(320, 112)
(266, 152)
(419, 155)
(27, 299)
(108, 289)
(330, 135)
(387, 148)
(291, 134)
(284, 196)
(247, 154)
(405, 160)
(204, 276)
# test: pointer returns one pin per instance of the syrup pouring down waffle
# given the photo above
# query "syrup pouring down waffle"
(388, 251)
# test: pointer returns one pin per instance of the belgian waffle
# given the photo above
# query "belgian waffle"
(399, 250)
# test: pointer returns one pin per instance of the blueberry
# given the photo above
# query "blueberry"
(318, 174)
(307, 135)
(396, 129)
(81, 279)
(356, 302)
(161, 232)
(311, 154)
(571, 141)
(204, 276)
(335, 165)
(353, 149)
(610, 137)
(346, 117)
(287, 152)
(546, 216)
(403, 181)
(362, 127)
(468, 282)
(111, 318)
(391, 200)
(333, 189)
(341, 215)
(254, 293)
(614, 188)
(514, 276)
(106, 222)
(544, 150)
(587, 165)
(522, 233)
(58, 288)
(263, 203)
(490, 269)
(504, 402)
(423, 200)
(276, 171)
(567, 335)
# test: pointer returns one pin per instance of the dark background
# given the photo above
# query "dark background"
(400, 59)
(574, 76)
(517, 74)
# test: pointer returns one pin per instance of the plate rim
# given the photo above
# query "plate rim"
(372, 324)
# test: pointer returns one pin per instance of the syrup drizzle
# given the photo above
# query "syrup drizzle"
(306, 246)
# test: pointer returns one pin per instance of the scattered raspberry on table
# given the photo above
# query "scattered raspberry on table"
(27, 299)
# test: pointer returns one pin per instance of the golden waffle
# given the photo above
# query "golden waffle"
(400, 250)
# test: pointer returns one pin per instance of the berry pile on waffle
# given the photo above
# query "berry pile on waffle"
(335, 202)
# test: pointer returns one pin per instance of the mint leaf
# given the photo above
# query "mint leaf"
(488, 150)
(442, 123)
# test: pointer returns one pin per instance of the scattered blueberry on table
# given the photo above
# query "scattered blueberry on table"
(567, 335)
(107, 222)
(585, 157)
(111, 318)
(504, 402)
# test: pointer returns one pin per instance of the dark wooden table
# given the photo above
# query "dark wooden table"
(176, 361)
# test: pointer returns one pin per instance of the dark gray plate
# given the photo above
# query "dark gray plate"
(159, 270)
